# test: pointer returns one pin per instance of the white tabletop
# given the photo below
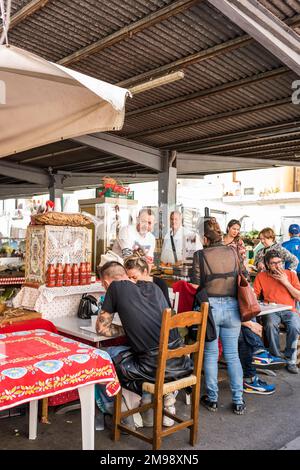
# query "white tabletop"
(71, 326)
(273, 308)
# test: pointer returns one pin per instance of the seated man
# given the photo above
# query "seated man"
(280, 286)
(253, 354)
(140, 307)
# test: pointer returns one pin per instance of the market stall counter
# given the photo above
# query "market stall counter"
(54, 302)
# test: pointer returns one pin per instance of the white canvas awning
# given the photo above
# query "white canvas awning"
(42, 102)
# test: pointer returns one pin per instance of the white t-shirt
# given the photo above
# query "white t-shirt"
(186, 243)
(130, 239)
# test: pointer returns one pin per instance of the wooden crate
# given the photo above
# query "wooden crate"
(47, 244)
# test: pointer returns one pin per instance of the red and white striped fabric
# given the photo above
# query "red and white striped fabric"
(11, 280)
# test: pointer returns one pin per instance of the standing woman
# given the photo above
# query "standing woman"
(232, 238)
(220, 266)
(268, 239)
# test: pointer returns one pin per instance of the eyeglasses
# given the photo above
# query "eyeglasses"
(275, 263)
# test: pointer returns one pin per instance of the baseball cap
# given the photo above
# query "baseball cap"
(294, 229)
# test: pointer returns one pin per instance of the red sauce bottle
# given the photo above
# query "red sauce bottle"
(75, 275)
(50, 276)
(82, 274)
(59, 275)
(88, 272)
(67, 275)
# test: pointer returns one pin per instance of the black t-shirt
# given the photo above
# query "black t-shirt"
(140, 307)
(164, 287)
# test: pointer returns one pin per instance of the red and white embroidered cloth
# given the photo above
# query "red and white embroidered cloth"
(36, 364)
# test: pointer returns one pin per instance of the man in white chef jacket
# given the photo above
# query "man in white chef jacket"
(138, 236)
(179, 243)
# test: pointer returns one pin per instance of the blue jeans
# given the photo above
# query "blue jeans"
(226, 315)
(271, 324)
(249, 343)
(105, 403)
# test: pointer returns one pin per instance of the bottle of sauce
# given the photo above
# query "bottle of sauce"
(67, 275)
(75, 275)
(50, 276)
(59, 275)
(88, 272)
(82, 274)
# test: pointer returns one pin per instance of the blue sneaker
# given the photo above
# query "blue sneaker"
(256, 385)
(265, 359)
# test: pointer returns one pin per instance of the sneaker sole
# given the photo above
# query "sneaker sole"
(212, 410)
(239, 413)
(250, 390)
(272, 366)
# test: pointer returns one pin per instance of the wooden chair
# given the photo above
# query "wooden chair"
(159, 388)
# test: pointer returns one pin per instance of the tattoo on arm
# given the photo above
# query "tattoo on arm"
(105, 326)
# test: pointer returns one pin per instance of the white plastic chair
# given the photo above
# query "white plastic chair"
(174, 298)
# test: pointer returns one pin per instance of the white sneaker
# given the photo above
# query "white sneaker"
(169, 399)
(168, 422)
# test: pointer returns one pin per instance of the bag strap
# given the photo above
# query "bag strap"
(237, 260)
(201, 264)
(173, 248)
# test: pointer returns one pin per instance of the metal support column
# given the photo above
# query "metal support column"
(56, 190)
(167, 193)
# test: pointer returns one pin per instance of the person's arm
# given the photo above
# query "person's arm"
(105, 327)
(282, 277)
(125, 242)
(288, 257)
(259, 260)
(104, 323)
(254, 327)
(195, 278)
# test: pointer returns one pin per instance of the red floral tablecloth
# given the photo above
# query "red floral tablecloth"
(36, 364)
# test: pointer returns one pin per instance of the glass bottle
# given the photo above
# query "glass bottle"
(75, 274)
(67, 275)
(82, 274)
(59, 274)
(50, 275)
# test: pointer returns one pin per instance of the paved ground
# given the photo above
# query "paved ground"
(271, 422)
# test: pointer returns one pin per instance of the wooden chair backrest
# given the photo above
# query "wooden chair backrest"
(181, 320)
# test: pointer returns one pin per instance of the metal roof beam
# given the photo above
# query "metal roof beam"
(12, 191)
(123, 148)
(192, 163)
(276, 129)
(264, 27)
(264, 76)
(210, 118)
(25, 12)
(24, 173)
(128, 31)
(238, 144)
(200, 56)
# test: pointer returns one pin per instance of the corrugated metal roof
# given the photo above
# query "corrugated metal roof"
(61, 28)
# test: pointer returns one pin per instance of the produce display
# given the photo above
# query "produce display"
(12, 257)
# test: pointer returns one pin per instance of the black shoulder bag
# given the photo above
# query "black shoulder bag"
(201, 296)
(85, 310)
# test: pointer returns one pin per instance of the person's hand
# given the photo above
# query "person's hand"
(280, 275)
(253, 326)
(261, 266)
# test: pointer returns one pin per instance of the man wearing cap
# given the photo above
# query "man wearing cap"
(293, 244)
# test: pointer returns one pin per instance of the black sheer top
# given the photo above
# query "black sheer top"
(221, 269)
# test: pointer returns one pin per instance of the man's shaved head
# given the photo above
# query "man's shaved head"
(112, 270)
